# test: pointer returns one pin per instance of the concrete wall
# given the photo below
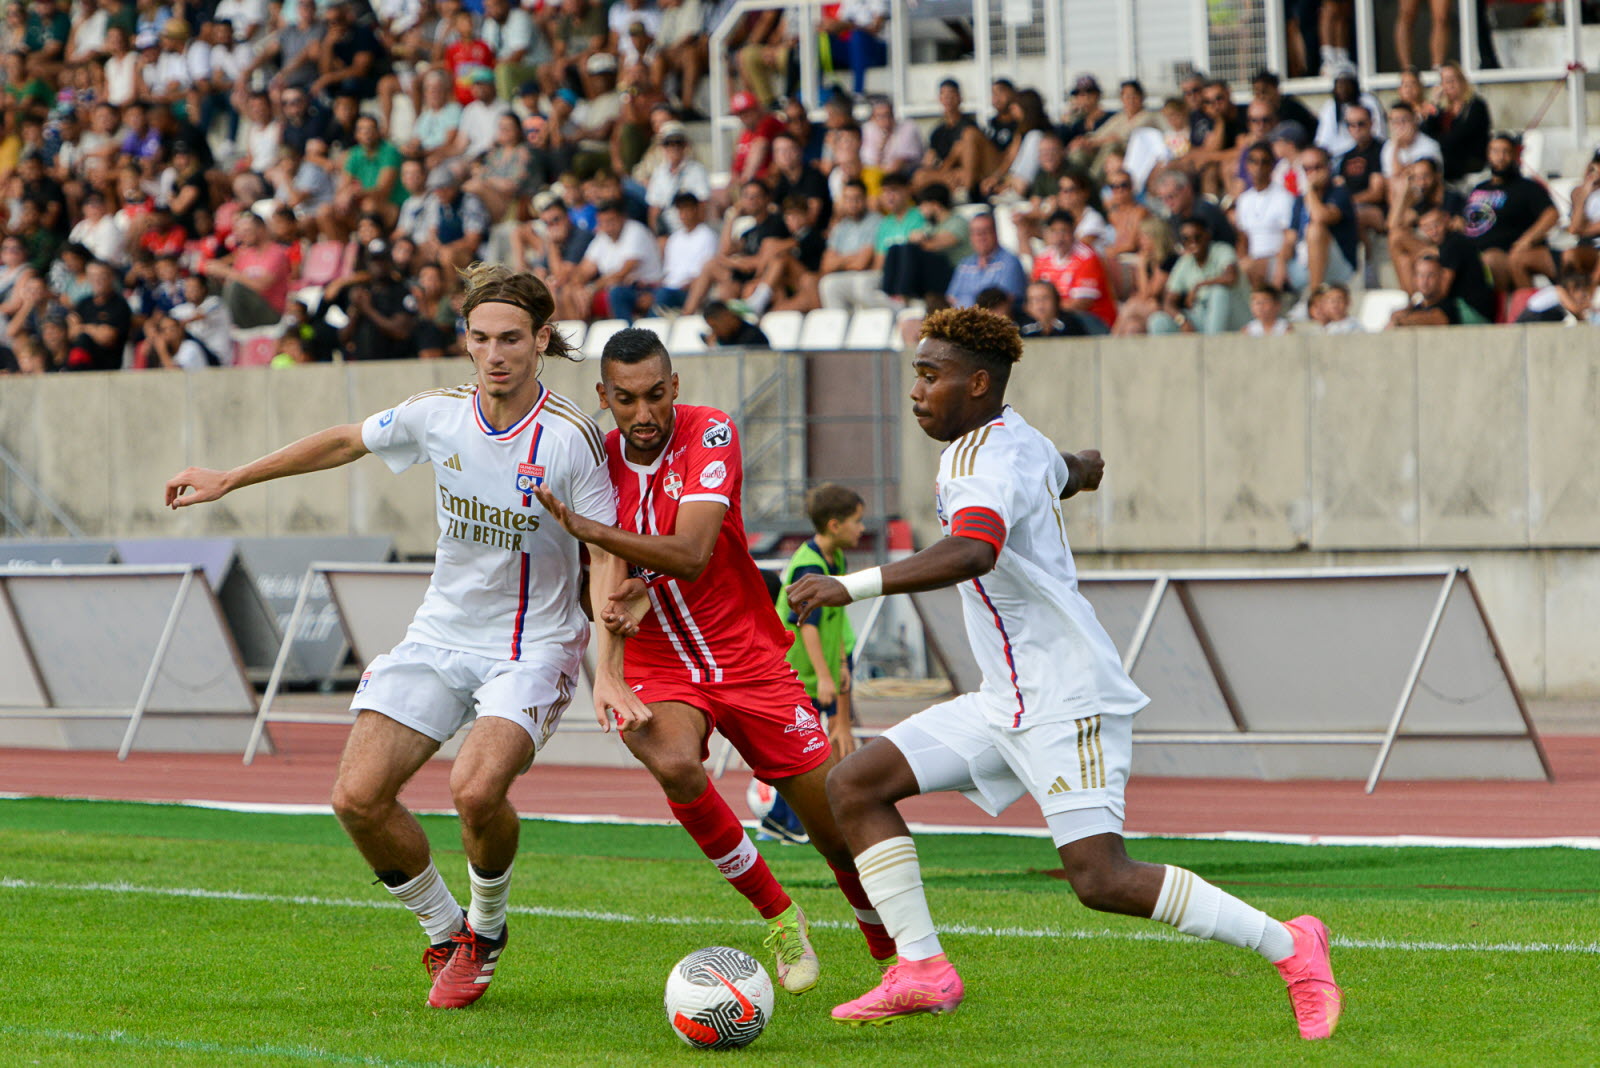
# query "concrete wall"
(1474, 445)
(1459, 445)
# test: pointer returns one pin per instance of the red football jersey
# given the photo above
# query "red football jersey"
(722, 626)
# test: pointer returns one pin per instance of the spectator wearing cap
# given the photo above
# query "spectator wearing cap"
(1084, 116)
(1266, 87)
(752, 153)
(601, 113)
(255, 278)
(99, 324)
(1407, 143)
(519, 48)
(920, 268)
(765, 55)
(691, 245)
(1333, 130)
(1460, 122)
(942, 163)
(476, 133)
(1508, 217)
(167, 76)
(888, 145)
(1078, 273)
(622, 16)
(620, 271)
(246, 16)
(550, 243)
(1288, 140)
(677, 173)
(1320, 244)
(1112, 136)
(855, 33)
(792, 176)
(1205, 289)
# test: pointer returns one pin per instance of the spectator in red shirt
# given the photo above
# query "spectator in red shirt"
(256, 282)
(752, 155)
(466, 55)
(1076, 271)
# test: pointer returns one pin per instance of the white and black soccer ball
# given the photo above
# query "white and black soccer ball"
(718, 998)
(760, 797)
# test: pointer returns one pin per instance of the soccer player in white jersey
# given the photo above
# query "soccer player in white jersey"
(1054, 715)
(500, 635)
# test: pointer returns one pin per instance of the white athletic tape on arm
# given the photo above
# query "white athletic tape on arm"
(863, 584)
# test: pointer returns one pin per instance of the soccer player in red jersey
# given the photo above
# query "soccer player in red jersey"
(709, 651)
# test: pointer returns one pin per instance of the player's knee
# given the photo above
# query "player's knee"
(357, 806)
(680, 774)
(1104, 889)
(849, 791)
(476, 802)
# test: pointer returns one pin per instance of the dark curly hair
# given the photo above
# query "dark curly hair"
(493, 283)
(993, 343)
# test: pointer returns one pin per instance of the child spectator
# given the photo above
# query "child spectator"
(1329, 308)
(1266, 312)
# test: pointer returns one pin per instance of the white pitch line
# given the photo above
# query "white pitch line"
(980, 930)
(1386, 841)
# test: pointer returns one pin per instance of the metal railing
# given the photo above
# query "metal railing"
(13, 519)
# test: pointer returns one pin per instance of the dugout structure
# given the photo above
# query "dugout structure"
(94, 657)
(1330, 674)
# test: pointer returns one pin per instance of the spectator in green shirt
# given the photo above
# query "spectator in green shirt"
(370, 186)
(825, 642)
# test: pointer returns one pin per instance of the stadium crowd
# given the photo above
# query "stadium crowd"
(180, 176)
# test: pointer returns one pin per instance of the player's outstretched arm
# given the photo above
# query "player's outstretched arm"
(683, 554)
(332, 447)
(1084, 471)
(614, 701)
(947, 562)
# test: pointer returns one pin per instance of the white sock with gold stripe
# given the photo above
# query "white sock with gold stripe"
(430, 900)
(892, 879)
(1197, 908)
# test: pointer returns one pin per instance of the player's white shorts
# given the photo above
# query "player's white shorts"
(437, 691)
(1076, 769)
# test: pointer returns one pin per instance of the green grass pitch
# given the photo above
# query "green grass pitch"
(159, 935)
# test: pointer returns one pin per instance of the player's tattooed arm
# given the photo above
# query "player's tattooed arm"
(615, 703)
(1084, 471)
(947, 562)
(315, 452)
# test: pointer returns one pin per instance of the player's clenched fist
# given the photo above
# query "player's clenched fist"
(202, 483)
(816, 591)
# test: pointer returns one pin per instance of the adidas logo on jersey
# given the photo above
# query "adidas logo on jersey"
(454, 463)
(1058, 787)
(804, 720)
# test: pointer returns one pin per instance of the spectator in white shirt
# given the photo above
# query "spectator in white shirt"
(205, 317)
(893, 147)
(1329, 308)
(479, 118)
(261, 135)
(1266, 312)
(678, 172)
(1407, 143)
(622, 262)
(689, 248)
(1261, 214)
(99, 233)
(519, 48)
(168, 77)
(1332, 133)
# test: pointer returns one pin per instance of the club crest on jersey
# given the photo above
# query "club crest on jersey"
(714, 474)
(804, 720)
(673, 484)
(366, 677)
(529, 476)
(717, 436)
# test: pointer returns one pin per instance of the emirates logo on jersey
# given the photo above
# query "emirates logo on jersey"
(673, 484)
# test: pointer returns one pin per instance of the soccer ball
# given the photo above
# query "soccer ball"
(718, 998)
(760, 797)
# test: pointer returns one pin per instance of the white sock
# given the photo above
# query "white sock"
(1197, 908)
(432, 902)
(1330, 56)
(892, 879)
(761, 299)
(487, 913)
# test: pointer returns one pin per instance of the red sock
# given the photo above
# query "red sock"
(879, 944)
(718, 833)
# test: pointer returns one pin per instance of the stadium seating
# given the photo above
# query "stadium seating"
(688, 335)
(824, 329)
(322, 263)
(255, 347)
(783, 328)
(1378, 304)
(656, 325)
(600, 332)
(870, 328)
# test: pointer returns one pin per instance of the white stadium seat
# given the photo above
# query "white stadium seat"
(574, 331)
(658, 326)
(871, 328)
(600, 332)
(824, 328)
(688, 335)
(783, 328)
(1378, 304)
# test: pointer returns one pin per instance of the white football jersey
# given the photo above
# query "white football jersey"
(1044, 655)
(506, 575)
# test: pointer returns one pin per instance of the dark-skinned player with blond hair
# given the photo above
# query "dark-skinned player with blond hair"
(500, 634)
(1053, 717)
